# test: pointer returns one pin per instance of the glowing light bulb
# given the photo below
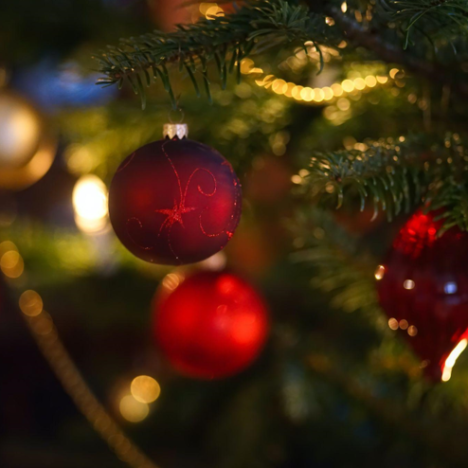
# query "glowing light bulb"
(359, 83)
(393, 72)
(133, 410)
(347, 85)
(90, 203)
(393, 324)
(11, 264)
(30, 303)
(408, 284)
(145, 389)
(213, 11)
(371, 81)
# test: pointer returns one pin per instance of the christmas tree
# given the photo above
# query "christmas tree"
(260, 260)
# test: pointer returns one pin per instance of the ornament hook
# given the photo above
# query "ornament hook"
(180, 112)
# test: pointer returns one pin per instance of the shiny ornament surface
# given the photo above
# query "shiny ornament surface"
(175, 201)
(27, 147)
(423, 288)
(212, 325)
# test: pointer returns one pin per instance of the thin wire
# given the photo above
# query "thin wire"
(46, 336)
(181, 115)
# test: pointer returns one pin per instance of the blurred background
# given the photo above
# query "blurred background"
(332, 387)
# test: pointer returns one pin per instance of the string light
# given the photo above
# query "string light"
(393, 324)
(308, 94)
(145, 389)
(30, 303)
(133, 410)
(90, 203)
(44, 332)
(210, 10)
(11, 263)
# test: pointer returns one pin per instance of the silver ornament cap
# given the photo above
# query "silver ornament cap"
(171, 130)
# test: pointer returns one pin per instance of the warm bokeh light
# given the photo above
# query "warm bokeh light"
(172, 280)
(408, 284)
(216, 262)
(90, 203)
(452, 359)
(133, 410)
(379, 272)
(30, 303)
(352, 85)
(393, 72)
(12, 264)
(145, 389)
(393, 324)
(371, 81)
(7, 246)
(403, 324)
(210, 10)
(44, 325)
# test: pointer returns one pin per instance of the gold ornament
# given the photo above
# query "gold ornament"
(27, 148)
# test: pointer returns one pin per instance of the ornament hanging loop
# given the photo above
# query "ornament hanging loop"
(171, 129)
(180, 112)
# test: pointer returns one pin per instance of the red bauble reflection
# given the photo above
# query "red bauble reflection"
(174, 202)
(212, 325)
(423, 288)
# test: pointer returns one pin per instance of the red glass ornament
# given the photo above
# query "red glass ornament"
(175, 201)
(212, 325)
(423, 288)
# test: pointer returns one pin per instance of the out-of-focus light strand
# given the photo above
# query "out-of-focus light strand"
(43, 329)
(311, 95)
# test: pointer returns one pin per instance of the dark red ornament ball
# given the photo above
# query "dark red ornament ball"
(423, 288)
(175, 202)
(212, 325)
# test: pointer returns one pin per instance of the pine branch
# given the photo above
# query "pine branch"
(441, 18)
(399, 175)
(333, 254)
(223, 40)
(390, 177)
(373, 40)
(451, 194)
(400, 415)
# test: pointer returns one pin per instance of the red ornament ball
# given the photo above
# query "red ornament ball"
(175, 201)
(423, 288)
(212, 325)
